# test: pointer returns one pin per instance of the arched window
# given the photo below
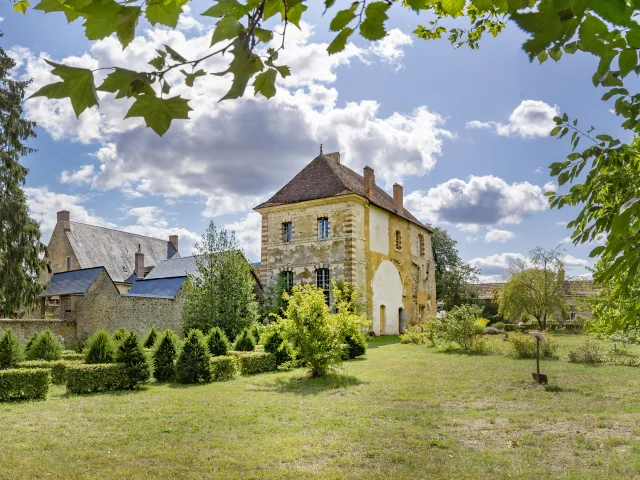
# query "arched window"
(322, 281)
(421, 245)
(398, 240)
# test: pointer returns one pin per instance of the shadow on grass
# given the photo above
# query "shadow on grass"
(382, 341)
(312, 386)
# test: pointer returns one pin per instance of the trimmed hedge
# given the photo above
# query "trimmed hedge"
(223, 368)
(72, 356)
(24, 384)
(274, 343)
(255, 362)
(90, 378)
(58, 368)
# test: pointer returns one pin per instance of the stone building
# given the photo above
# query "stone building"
(331, 223)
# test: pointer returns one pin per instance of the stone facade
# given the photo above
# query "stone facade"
(25, 328)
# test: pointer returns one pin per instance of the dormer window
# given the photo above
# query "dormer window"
(287, 232)
(398, 240)
(323, 227)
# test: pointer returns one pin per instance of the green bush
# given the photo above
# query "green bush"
(587, 352)
(256, 330)
(24, 384)
(523, 345)
(97, 378)
(71, 356)
(10, 350)
(255, 362)
(99, 348)
(223, 368)
(44, 347)
(31, 341)
(459, 326)
(151, 339)
(194, 361)
(218, 342)
(356, 345)
(132, 355)
(245, 342)
(498, 325)
(58, 368)
(420, 334)
(119, 335)
(275, 344)
(164, 357)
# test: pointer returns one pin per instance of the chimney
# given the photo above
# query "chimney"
(335, 156)
(63, 217)
(173, 240)
(139, 268)
(369, 181)
(397, 198)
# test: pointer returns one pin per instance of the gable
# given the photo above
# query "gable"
(75, 282)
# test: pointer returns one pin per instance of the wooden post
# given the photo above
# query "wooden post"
(538, 361)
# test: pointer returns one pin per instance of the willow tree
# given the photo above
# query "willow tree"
(21, 252)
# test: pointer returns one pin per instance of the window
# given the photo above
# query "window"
(322, 281)
(323, 227)
(287, 279)
(421, 244)
(287, 232)
(398, 240)
(69, 263)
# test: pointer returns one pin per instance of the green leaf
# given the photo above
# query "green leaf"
(164, 12)
(372, 27)
(633, 38)
(555, 131)
(263, 35)
(77, 84)
(273, 7)
(482, 5)
(126, 29)
(242, 67)
(295, 11)
(614, 11)
(603, 67)
(174, 55)
(191, 77)
(101, 18)
(265, 83)
(627, 61)
(453, 7)
(21, 6)
(614, 91)
(159, 62)
(340, 41)
(158, 113)
(596, 251)
(226, 7)
(543, 56)
(343, 18)
(119, 81)
(226, 28)
(555, 54)
(283, 70)
(571, 48)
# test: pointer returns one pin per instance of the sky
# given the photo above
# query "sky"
(465, 132)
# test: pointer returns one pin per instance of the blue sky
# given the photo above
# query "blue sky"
(464, 131)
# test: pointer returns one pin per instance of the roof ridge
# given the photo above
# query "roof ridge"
(121, 231)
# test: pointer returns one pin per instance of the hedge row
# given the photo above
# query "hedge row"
(223, 368)
(72, 356)
(24, 384)
(255, 362)
(58, 368)
(90, 378)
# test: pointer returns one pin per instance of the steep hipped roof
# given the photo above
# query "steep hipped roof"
(115, 250)
(75, 282)
(158, 288)
(324, 178)
(176, 267)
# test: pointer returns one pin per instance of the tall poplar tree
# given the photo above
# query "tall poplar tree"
(21, 252)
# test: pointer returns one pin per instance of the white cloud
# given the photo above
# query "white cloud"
(486, 200)
(564, 223)
(532, 118)
(500, 236)
(1, 19)
(388, 49)
(231, 155)
(249, 234)
(539, 171)
(571, 261)
(493, 266)
(550, 187)
(565, 240)
(84, 174)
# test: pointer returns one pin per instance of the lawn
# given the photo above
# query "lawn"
(403, 411)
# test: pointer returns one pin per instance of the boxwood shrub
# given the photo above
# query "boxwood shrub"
(218, 342)
(255, 362)
(245, 342)
(58, 368)
(90, 378)
(164, 357)
(194, 361)
(24, 384)
(99, 348)
(274, 343)
(72, 356)
(223, 368)
(44, 347)
(10, 350)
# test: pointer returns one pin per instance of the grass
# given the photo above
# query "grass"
(404, 411)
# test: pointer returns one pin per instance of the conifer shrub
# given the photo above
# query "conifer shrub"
(245, 342)
(256, 330)
(218, 342)
(58, 368)
(275, 344)
(45, 347)
(97, 378)
(151, 339)
(10, 350)
(119, 335)
(194, 361)
(356, 344)
(24, 384)
(33, 339)
(164, 357)
(131, 354)
(223, 368)
(255, 362)
(99, 348)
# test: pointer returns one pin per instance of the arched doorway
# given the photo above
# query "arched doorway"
(387, 299)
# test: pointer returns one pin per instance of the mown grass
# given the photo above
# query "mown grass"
(403, 411)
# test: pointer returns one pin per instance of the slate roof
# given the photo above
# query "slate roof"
(324, 178)
(75, 282)
(115, 250)
(157, 288)
(175, 267)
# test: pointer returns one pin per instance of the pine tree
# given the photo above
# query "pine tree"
(164, 357)
(99, 348)
(218, 342)
(194, 362)
(10, 351)
(132, 355)
(21, 251)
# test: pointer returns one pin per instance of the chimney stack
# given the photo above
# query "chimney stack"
(63, 217)
(369, 181)
(397, 198)
(173, 240)
(335, 156)
(139, 266)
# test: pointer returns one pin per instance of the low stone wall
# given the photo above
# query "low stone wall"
(24, 328)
